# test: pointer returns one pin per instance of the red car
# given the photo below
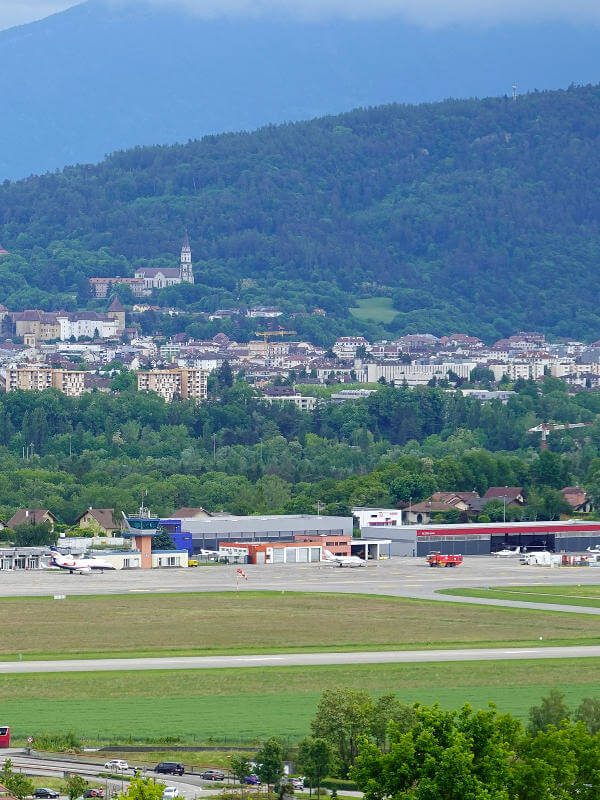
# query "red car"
(95, 792)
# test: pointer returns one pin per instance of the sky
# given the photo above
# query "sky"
(430, 13)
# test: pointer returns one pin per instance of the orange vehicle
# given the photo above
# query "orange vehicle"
(439, 560)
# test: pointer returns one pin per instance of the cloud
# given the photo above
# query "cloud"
(423, 12)
(18, 12)
(429, 13)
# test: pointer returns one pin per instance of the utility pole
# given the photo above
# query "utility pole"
(514, 92)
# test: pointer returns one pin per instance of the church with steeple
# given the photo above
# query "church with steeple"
(159, 277)
(186, 273)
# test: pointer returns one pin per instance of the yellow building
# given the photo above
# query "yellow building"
(182, 382)
(37, 377)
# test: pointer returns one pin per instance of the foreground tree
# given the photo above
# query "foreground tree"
(552, 711)
(76, 786)
(314, 760)
(17, 784)
(142, 789)
(343, 716)
(270, 762)
(446, 755)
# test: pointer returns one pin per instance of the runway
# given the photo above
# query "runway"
(296, 659)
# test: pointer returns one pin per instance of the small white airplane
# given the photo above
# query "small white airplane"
(209, 553)
(507, 552)
(594, 549)
(343, 561)
(78, 565)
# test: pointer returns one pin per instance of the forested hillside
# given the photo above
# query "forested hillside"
(479, 215)
(247, 456)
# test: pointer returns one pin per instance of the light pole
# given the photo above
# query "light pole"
(214, 448)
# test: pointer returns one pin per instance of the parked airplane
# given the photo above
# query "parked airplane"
(79, 565)
(507, 552)
(343, 561)
(594, 549)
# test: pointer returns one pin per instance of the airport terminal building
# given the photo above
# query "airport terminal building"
(562, 536)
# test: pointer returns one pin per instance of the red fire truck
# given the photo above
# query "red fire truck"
(437, 559)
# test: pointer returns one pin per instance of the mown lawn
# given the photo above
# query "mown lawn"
(377, 309)
(208, 623)
(243, 705)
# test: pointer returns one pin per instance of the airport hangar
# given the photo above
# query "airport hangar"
(481, 539)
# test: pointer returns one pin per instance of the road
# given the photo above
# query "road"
(189, 786)
(298, 659)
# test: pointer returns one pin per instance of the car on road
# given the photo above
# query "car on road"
(252, 780)
(170, 768)
(94, 791)
(47, 794)
(170, 792)
(213, 775)
(116, 763)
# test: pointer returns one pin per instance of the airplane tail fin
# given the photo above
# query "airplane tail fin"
(328, 555)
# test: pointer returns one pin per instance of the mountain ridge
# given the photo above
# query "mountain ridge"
(476, 215)
(98, 78)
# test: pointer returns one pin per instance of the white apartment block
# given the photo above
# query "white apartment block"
(414, 374)
(170, 383)
(37, 377)
(528, 370)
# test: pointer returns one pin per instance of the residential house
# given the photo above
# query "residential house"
(577, 498)
(32, 516)
(102, 521)
(513, 496)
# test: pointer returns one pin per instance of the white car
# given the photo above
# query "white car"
(298, 783)
(116, 763)
(170, 792)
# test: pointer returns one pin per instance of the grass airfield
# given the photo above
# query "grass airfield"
(245, 705)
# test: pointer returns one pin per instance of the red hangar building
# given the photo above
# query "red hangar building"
(473, 539)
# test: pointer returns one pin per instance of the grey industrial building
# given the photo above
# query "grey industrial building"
(560, 536)
(207, 533)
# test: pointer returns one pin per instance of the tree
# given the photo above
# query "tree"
(342, 717)
(269, 760)
(225, 375)
(240, 768)
(388, 708)
(163, 541)
(588, 712)
(34, 535)
(76, 786)
(314, 760)
(446, 755)
(17, 784)
(551, 711)
(142, 789)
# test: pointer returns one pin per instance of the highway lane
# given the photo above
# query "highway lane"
(297, 659)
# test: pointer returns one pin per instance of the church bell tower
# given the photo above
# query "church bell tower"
(185, 270)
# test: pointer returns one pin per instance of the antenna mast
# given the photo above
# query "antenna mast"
(514, 88)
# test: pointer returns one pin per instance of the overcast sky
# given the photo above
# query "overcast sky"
(427, 12)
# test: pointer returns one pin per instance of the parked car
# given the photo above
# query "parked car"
(252, 780)
(50, 794)
(213, 775)
(298, 783)
(116, 763)
(95, 791)
(170, 768)
(170, 792)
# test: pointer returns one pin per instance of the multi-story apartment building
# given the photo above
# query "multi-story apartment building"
(37, 377)
(181, 382)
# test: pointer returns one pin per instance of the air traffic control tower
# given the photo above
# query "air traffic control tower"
(141, 528)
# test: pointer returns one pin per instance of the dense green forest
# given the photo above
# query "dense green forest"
(480, 215)
(243, 455)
